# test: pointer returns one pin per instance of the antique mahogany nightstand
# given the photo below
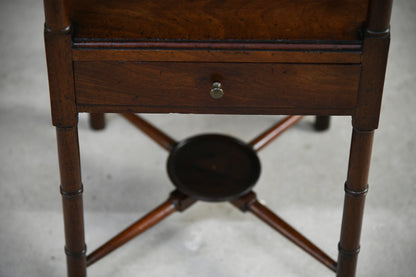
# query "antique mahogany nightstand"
(322, 57)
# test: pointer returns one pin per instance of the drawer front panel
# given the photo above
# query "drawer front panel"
(248, 87)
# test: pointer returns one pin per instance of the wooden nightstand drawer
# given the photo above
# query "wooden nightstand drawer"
(185, 87)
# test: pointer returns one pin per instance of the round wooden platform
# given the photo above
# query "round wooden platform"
(213, 167)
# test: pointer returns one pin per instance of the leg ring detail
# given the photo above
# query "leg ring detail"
(354, 193)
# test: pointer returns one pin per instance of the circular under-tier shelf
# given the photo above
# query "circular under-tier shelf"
(213, 167)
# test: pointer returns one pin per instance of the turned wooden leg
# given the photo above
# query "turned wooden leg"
(355, 191)
(97, 121)
(71, 190)
(322, 122)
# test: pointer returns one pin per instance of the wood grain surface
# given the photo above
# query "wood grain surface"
(185, 86)
(218, 19)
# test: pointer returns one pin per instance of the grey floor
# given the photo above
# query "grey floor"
(124, 176)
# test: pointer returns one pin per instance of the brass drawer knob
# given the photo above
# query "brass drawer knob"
(216, 92)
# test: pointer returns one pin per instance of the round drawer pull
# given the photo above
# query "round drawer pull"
(216, 92)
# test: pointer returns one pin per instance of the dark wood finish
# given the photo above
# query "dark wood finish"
(301, 57)
(249, 203)
(323, 47)
(273, 132)
(365, 120)
(212, 110)
(218, 20)
(175, 202)
(266, 52)
(376, 46)
(97, 121)
(71, 190)
(355, 191)
(366, 116)
(184, 87)
(56, 16)
(212, 55)
(322, 123)
(59, 60)
(61, 77)
(213, 167)
(64, 117)
(378, 20)
(155, 134)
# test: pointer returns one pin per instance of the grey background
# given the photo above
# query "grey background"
(124, 177)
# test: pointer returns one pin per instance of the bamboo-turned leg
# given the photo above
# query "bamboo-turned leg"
(250, 203)
(97, 121)
(71, 190)
(322, 122)
(355, 191)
